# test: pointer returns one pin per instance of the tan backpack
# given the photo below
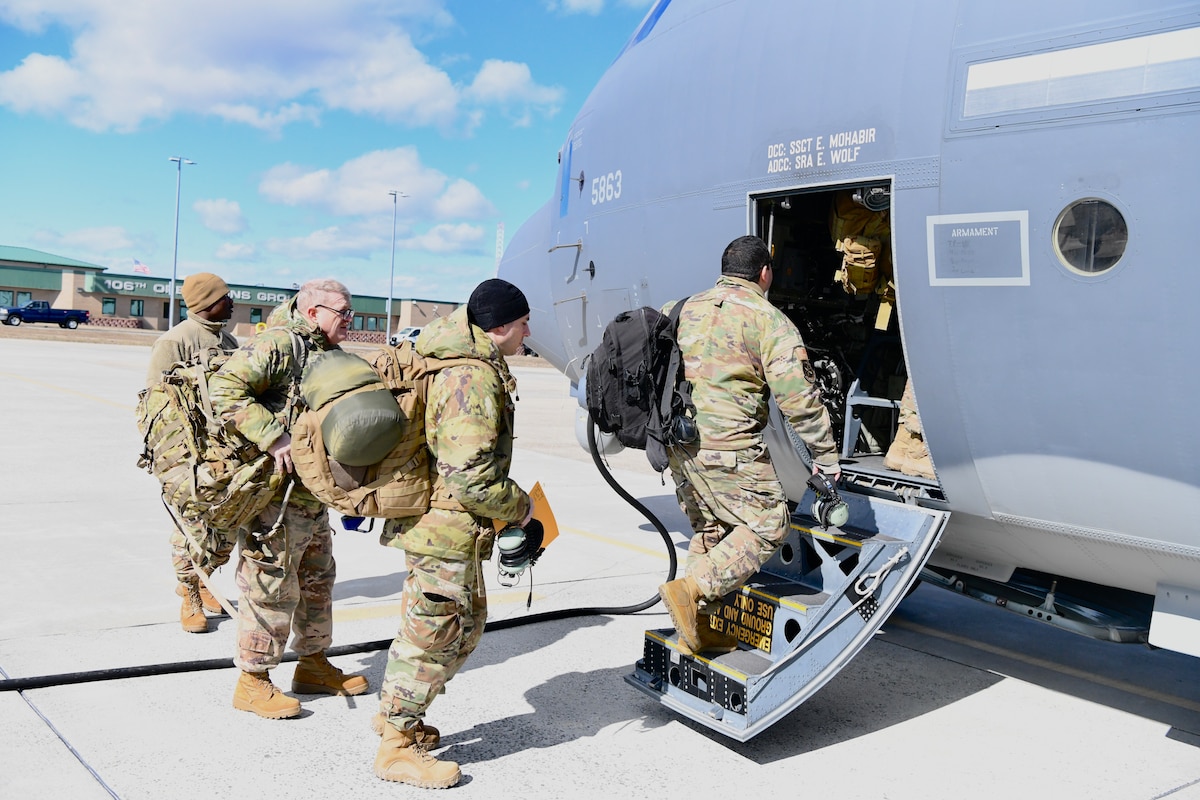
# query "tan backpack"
(209, 472)
(397, 485)
(859, 234)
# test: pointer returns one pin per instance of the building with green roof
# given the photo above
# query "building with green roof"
(139, 300)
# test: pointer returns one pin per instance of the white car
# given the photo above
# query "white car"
(410, 334)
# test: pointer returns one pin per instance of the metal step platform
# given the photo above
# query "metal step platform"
(799, 621)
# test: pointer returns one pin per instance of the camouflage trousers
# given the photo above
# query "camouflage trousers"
(217, 546)
(443, 609)
(738, 512)
(285, 578)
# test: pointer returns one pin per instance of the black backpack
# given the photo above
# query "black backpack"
(635, 384)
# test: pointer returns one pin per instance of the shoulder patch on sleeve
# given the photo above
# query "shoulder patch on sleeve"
(810, 374)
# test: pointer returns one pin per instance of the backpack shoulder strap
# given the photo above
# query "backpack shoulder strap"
(676, 310)
(299, 352)
(666, 402)
(199, 367)
(299, 362)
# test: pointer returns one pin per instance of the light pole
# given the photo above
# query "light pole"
(395, 195)
(179, 162)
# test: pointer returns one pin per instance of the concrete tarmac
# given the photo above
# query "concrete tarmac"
(952, 699)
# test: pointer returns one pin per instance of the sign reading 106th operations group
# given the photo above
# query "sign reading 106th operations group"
(126, 286)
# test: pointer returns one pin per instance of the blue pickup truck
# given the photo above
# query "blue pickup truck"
(40, 311)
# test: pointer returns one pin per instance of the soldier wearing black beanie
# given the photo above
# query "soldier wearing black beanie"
(469, 416)
(496, 302)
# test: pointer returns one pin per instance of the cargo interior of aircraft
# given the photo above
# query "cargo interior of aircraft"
(833, 277)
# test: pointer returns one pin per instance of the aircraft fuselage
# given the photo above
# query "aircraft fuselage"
(1036, 159)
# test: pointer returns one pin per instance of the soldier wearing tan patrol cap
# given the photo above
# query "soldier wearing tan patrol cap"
(209, 307)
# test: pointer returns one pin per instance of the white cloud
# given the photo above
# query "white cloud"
(108, 239)
(220, 216)
(328, 243)
(361, 186)
(592, 7)
(232, 251)
(272, 121)
(443, 239)
(112, 246)
(510, 85)
(508, 81)
(462, 200)
(43, 84)
(264, 64)
(358, 191)
(391, 79)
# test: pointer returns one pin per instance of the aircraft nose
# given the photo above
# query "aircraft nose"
(526, 265)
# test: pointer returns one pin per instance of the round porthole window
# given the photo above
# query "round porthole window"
(1090, 236)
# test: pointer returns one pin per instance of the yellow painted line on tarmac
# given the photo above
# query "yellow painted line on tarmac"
(599, 537)
(383, 610)
(1061, 669)
(64, 390)
(515, 596)
(353, 613)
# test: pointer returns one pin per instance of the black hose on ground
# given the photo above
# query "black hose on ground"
(119, 673)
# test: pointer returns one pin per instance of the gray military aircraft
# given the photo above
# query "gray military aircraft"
(982, 200)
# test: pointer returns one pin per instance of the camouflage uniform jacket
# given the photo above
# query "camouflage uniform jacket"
(738, 349)
(253, 388)
(281, 313)
(193, 335)
(469, 430)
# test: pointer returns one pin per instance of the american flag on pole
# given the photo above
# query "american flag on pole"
(140, 267)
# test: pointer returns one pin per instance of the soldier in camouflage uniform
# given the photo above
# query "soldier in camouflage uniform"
(738, 349)
(285, 571)
(469, 428)
(209, 307)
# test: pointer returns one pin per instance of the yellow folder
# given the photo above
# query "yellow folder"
(541, 512)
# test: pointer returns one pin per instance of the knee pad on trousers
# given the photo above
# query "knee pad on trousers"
(734, 560)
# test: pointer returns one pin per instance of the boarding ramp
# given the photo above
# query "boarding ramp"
(799, 621)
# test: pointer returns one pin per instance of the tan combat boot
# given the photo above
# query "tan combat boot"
(209, 602)
(256, 693)
(315, 675)
(401, 758)
(426, 735)
(191, 614)
(908, 454)
(681, 596)
(711, 639)
(917, 462)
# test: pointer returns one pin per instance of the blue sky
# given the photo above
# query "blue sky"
(301, 116)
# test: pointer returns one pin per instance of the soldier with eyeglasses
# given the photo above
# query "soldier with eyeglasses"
(285, 572)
